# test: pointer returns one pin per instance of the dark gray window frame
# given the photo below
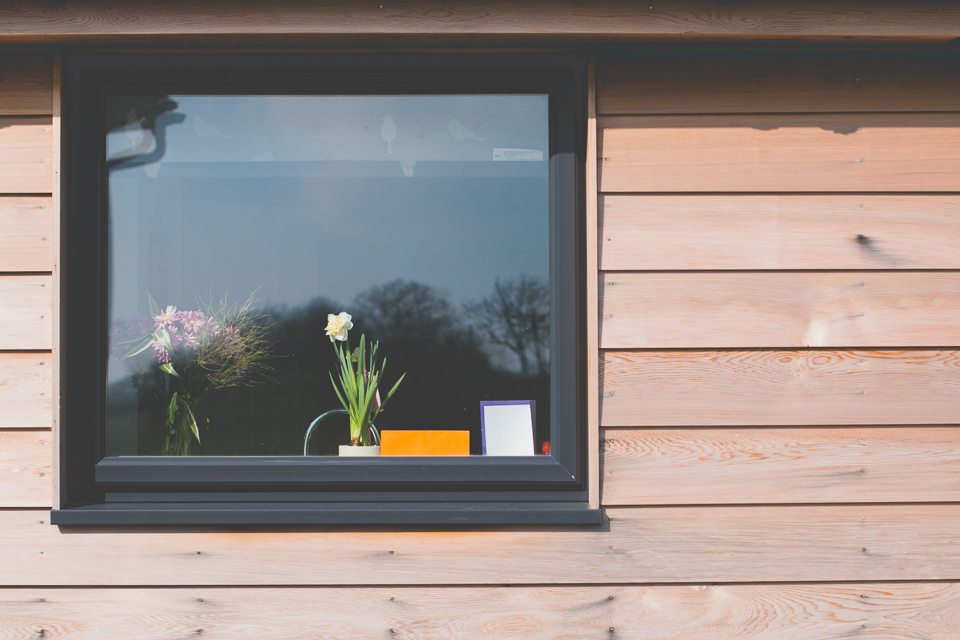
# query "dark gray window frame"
(318, 490)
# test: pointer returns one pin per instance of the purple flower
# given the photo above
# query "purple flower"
(192, 321)
(190, 340)
(161, 353)
(138, 325)
(166, 318)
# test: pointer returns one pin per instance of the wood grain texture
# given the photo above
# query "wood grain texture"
(567, 19)
(717, 81)
(824, 152)
(773, 388)
(26, 84)
(26, 458)
(26, 312)
(58, 208)
(26, 155)
(592, 302)
(782, 309)
(779, 466)
(25, 398)
(729, 612)
(648, 545)
(677, 232)
(26, 234)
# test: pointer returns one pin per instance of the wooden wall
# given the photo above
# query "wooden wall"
(780, 386)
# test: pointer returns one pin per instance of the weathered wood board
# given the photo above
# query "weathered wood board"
(757, 231)
(783, 309)
(26, 458)
(638, 545)
(705, 81)
(780, 466)
(26, 154)
(26, 84)
(774, 388)
(823, 152)
(727, 612)
(26, 234)
(25, 392)
(26, 312)
(499, 20)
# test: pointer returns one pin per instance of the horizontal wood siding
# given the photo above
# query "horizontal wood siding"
(26, 155)
(26, 84)
(758, 432)
(26, 312)
(763, 309)
(824, 152)
(675, 82)
(779, 466)
(25, 468)
(26, 234)
(770, 388)
(25, 398)
(758, 231)
(421, 22)
(637, 545)
(798, 612)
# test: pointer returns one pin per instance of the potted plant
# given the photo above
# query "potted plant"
(178, 357)
(359, 385)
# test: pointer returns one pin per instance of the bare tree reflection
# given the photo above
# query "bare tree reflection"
(406, 311)
(516, 316)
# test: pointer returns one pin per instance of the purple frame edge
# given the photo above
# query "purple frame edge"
(483, 424)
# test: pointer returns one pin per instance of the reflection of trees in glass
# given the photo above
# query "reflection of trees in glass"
(421, 333)
(516, 316)
(405, 310)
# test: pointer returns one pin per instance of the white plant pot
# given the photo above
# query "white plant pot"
(348, 451)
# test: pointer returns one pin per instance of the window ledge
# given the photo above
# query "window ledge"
(316, 513)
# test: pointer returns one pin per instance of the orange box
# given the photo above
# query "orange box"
(424, 443)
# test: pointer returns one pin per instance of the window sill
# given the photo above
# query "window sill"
(299, 513)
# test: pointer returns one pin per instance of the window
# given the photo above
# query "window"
(222, 207)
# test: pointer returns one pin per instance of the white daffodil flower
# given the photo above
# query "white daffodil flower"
(339, 325)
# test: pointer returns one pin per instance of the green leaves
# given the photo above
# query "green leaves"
(154, 307)
(178, 403)
(193, 421)
(168, 368)
(172, 411)
(357, 391)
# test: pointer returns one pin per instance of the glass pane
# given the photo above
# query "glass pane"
(237, 224)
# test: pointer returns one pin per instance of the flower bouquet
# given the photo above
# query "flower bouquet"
(179, 356)
(359, 384)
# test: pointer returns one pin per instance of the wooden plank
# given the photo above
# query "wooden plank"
(593, 304)
(799, 612)
(826, 152)
(26, 155)
(779, 466)
(26, 312)
(645, 545)
(26, 234)
(779, 232)
(25, 398)
(541, 19)
(26, 84)
(772, 388)
(783, 309)
(764, 81)
(26, 458)
(57, 218)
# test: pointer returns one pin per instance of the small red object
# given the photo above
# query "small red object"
(546, 448)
